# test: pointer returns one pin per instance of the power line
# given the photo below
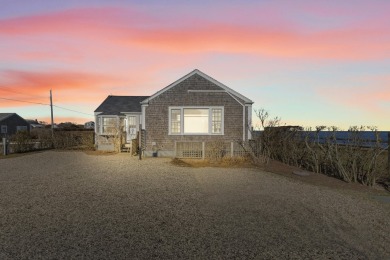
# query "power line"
(37, 103)
(20, 93)
(11, 99)
(73, 110)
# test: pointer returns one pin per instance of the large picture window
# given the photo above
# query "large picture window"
(196, 120)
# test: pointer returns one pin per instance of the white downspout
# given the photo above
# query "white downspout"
(249, 122)
(143, 109)
(243, 123)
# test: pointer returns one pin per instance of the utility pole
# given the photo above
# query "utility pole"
(388, 152)
(139, 142)
(52, 121)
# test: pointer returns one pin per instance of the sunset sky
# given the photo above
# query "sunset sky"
(308, 62)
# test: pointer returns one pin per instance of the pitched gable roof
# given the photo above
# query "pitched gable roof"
(196, 71)
(115, 105)
(4, 116)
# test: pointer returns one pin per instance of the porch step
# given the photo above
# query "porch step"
(126, 148)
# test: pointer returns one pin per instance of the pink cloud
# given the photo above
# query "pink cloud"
(116, 28)
(32, 84)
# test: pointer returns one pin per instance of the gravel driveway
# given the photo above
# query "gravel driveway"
(67, 205)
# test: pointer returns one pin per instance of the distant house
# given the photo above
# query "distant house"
(89, 125)
(34, 124)
(10, 123)
(194, 110)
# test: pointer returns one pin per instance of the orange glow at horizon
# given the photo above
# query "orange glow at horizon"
(332, 54)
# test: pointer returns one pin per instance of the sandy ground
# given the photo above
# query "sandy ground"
(67, 205)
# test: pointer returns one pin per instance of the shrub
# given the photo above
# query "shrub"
(353, 160)
(22, 142)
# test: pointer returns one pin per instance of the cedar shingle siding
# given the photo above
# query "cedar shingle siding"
(194, 90)
(157, 114)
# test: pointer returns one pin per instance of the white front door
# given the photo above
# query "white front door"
(131, 128)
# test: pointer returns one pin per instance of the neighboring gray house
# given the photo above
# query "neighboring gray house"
(10, 123)
(89, 125)
(34, 124)
(192, 111)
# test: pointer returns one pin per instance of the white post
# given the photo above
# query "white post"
(4, 146)
(249, 122)
(231, 149)
(139, 143)
(203, 151)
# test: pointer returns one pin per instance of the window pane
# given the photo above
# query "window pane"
(175, 121)
(3, 129)
(21, 128)
(109, 125)
(216, 127)
(132, 122)
(196, 121)
(109, 121)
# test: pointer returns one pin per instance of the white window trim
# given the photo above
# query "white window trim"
(181, 108)
(101, 123)
(4, 129)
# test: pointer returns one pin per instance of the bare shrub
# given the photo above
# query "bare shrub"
(217, 150)
(43, 136)
(74, 140)
(354, 159)
(22, 142)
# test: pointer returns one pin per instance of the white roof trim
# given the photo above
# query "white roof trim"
(196, 71)
(128, 113)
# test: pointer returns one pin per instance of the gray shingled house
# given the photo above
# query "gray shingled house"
(10, 123)
(179, 120)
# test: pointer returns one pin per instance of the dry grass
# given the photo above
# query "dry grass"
(228, 162)
(285, 170)
(99, 153)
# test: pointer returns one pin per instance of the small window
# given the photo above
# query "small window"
(175, 121)
(21, 128)
(109, 125)
(132, 125)
(3, 129)
(216, 123)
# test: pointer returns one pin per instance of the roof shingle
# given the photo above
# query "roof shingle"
(115, 105)
(5, 115)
